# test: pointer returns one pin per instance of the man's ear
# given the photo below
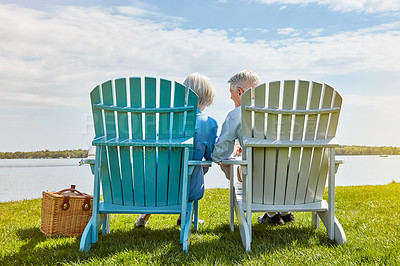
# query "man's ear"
(240, 91)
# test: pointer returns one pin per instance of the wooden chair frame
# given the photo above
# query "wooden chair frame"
(286, 182)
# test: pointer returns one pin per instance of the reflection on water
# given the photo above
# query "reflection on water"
(27, 178)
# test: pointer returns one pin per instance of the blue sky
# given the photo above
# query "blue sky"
(52, 53)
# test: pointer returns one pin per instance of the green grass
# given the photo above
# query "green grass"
(368, 214)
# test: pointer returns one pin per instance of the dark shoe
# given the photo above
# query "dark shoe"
(274, 220)
(288, 218)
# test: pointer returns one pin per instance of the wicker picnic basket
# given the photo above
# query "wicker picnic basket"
(66, 212)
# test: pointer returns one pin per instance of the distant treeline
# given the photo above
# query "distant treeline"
(342, 150)
(367, 150)
(44, 154)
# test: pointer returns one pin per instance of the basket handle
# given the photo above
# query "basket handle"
(71, 189)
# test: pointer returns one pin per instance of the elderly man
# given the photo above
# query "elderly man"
(231, 131)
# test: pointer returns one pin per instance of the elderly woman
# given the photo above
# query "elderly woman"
(204, 139)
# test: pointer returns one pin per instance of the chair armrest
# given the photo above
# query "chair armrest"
(234, 161)
(88, 160)
(337, 163)
(202, 163)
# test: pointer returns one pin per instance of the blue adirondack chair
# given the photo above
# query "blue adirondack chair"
(143, 145)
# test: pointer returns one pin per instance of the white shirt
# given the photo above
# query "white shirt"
(231, 130)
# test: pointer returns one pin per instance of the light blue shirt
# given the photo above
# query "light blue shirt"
(204, 140)
(231, 130)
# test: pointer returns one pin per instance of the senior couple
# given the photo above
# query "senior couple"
(231, 133)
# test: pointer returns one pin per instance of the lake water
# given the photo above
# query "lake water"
(27, 178)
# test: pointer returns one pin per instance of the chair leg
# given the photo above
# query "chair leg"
(244, 226)
(86, 239)
(231, 200)
(106, 225)
(315, 220)
(196, 214)
(187, 228)
(338, 232)
(90, 234)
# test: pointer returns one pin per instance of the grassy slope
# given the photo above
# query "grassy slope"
(368, 214)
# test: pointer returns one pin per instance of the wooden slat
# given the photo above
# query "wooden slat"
(323, 119)
(190, 127)
(306, 158)
(270, 153)
(247, 125)
(333, 122)
(125, 152)
(150, 161)
(317, 181)
(105, 141)
(137, 133)
(283, 153)
(326, 130)
(97, 114)
(163, 153)
(105, 177)
(323, 175)
(190, 123)
(111, 131)
(98, 119)
(317, 152)
(253, 142)
(298, 129)
(176, 154)
(145, 110)
(258, 153)
(286, 111)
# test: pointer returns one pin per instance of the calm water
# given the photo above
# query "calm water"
(27, 178)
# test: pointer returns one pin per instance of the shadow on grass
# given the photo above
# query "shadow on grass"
(161, 246)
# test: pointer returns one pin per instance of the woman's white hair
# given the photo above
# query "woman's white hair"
(243, 78)
(202, 86)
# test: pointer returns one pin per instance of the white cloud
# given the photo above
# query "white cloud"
(54, 58)
(367, 6)
(286, 31)
(63, 52)
(283, 8)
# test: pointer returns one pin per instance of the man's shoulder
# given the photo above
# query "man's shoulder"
(235, 113)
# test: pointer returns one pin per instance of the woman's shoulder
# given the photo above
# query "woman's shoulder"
(205, 119)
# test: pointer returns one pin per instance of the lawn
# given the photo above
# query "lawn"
(368, 214)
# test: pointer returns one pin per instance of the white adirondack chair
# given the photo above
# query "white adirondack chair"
(288, 153)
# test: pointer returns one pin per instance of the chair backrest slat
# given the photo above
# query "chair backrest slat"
(99, 132)
(311, 156)
(135, 87)
(176, 154)
(270, 153)
(283, 153)
(329, 133)
(111, 132)
(258, 153)
(295, 153)
(150, 152)
(163, 153)
(123, 133)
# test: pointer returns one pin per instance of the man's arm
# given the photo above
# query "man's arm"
(230, 131)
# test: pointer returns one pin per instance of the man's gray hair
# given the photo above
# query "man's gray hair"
(243, 78)
(202, 86)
